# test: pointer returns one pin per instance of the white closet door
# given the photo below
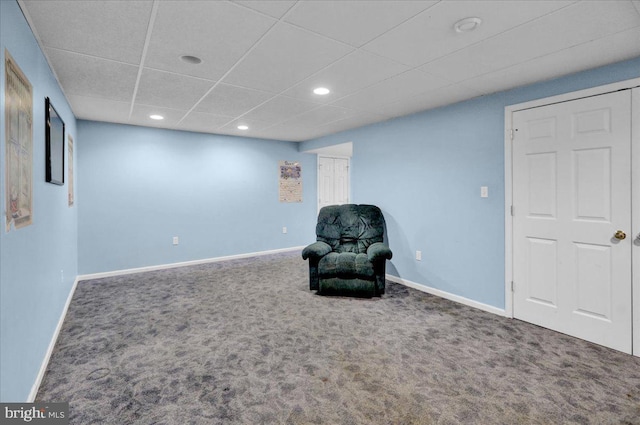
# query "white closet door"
(325, 181)
(341, 181)
(572, 200)
(333, 181)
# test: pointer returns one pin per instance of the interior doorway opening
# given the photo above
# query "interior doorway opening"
(334, 174)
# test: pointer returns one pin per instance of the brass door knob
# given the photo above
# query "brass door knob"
(620, 235)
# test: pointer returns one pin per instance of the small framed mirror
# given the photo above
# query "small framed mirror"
(54, 137)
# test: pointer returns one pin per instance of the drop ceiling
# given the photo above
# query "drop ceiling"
(120, 61)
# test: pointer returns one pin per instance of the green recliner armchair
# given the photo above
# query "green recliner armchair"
(349, 257)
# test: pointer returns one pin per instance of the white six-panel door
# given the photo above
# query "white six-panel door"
(333, 181)
(572, 235)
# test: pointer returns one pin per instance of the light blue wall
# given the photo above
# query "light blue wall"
(425, 172)
(139, 187)
(32, 259)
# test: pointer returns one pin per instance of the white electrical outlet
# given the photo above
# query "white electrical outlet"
(419, 255)
(284, 230)
(175, 240)
(484, 192)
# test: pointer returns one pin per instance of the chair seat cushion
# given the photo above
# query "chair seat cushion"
(346, 265)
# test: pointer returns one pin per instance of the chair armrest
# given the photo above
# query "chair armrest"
(316, 250)
(378, 251)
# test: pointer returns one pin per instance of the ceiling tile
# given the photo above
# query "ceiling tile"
(356, 71)
(158, 88)
(431, 35)
(289, 132)
(358, 120)
(275, 8)
(284, 57)
(140, 116)
(320, 116)
(279, 109)
(96, 109)
(255, 127)
(114, 30)
(568, 27)
(202, 122)
(217, 32)
(392, 90)
(354, 22)
(267, 56)
(307, 125)
(429, 100)
(229, 100)
(621, 46)
(93, 77)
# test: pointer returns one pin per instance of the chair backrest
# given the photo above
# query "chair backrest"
(350, 227)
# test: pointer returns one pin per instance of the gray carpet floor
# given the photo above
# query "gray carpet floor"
(246, 342)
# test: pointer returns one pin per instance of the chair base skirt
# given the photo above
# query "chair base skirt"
(349, 287)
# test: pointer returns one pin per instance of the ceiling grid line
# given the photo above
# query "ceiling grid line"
(484, 40)
(261, 60)
(87, 55)
(152, 19)
(356, 49)
(34, 31)
(282, 19)
(537, 58)
(281, 93)
(238, 62)
(363, 47)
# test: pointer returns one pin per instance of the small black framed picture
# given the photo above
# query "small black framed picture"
(54, 138)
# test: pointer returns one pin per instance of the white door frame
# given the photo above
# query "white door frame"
(508, 186)
(318, 156)
(635, 221)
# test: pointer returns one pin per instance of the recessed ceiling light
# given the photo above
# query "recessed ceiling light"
(193, 60)
(156, 117)
(467, 24)
(321, 91)
(243, 127)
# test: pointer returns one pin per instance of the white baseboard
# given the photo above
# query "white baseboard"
(52, 344)
(447, 295)
(186, 263)
(54, 338)
(56, 333)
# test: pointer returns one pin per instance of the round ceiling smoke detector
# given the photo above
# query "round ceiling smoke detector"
(467, 24)
(193, 60)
